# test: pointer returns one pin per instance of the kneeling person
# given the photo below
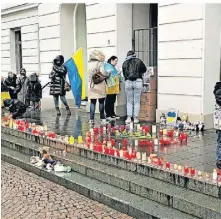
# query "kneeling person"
(16, 108)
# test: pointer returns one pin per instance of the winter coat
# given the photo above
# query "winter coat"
(21, 87)
(96, 91)
(57, 76)
(3, 87)
(133, 68)
(217, 112)
(34, 91)
(16, 107)
(10, 83)
(95, 65)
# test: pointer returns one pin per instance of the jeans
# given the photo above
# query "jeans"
(218, 145)
(63, 99)
(133, 91)
(109, 104)
(93, 107)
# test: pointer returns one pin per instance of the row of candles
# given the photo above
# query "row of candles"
(124, 150)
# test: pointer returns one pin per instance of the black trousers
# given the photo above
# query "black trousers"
(109, 104)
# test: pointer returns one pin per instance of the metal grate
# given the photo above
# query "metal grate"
(145, 45)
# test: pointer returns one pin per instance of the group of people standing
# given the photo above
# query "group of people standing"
(106, 89)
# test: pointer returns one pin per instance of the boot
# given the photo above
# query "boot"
(68, 110)
(58, 111)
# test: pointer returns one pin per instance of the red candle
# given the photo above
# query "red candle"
(124, 142)
(151, 143)
(192, 172)
(126, 154)
(168, 165)
(117, 153)
(109, 126)
(124, 148)
(160, 161)
(111, 151)
(141, 143)
(161, 132)
(186, 170)
(106, 150)
(162, 142)
(113, 142)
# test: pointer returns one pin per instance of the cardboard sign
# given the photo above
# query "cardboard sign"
(172, 116)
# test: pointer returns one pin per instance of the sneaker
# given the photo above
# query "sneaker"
(91, 122)
(136, 120)
(115, 117)
(218, 164)
(128, 121)
(104, 122)
(109, 118)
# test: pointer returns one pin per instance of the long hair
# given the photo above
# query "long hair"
(111, 58)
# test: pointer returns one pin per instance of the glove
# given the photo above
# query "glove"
(12, 88)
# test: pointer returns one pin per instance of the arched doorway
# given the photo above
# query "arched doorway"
(73, 34)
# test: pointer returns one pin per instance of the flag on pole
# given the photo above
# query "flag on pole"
(75, 67)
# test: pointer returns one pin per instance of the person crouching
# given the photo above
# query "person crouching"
(16, 108)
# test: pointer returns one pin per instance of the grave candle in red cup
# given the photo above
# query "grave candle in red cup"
(162, 142)
(155, 161)
(116, 153)
(192, 172)
(134, 154)
(141, 143)
(160, 161)
(126, 154)
(106, 150)
(113, 142)
(168, 165)
(161, 132)
(111, 151)
(109, 126)
(124, 148)
(124, 142)
(151, 143)
(186, 170)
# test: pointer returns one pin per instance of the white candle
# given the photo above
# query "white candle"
(91, 146)
(154, 129)
(136, 142)
(109, 144)
(138, 155)
(131, 126)
(215, 175)
(149, 160)
(144, 156)
(121, 153)
(156, 142)
(138, 127)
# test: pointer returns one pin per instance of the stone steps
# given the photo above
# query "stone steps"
(119, 199)
(164, 193)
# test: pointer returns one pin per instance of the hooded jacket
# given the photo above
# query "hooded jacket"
(133, 68)
(34, 89)
(57, 76)
(16, 107)
(10, 82)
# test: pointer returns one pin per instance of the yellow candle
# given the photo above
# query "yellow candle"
(165, 132)
(11, 123)
(71, 140)
(80, 139)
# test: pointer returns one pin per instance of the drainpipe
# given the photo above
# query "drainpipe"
(75, 28)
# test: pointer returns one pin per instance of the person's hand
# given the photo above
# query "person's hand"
(10, 116)
(12, 88)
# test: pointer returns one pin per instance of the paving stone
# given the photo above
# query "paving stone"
(15, 174)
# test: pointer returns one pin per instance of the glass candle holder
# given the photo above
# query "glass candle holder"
(192, 172)
(186, 170)
(167, 165)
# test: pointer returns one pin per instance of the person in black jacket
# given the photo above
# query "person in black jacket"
(133, 70)
(34, 91)
(10, 83)
(217, 123)
(16, 108)
(57, 86)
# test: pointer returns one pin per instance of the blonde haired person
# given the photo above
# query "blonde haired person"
(97, 90)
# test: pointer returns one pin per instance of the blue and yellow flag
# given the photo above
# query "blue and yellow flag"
(75, 66)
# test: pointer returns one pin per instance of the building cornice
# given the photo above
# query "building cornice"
(19, 7)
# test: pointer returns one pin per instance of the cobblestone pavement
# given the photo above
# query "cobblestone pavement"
(25, 195)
